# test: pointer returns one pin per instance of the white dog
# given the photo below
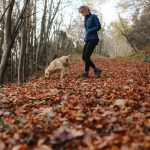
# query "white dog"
(57, 65)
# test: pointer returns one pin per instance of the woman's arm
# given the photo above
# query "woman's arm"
(97, 25)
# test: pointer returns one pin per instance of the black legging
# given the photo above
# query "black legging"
(87, 52)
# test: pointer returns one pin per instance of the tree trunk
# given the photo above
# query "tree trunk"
(22, 54)
(41, 51)
(9, 37)
(42, 34)
(7, 43)
(126, 35)
(28, 54)
(12, 68)
(34, 38)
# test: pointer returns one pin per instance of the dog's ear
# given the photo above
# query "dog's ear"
(68, 59)
(54, 57)
(68, 56)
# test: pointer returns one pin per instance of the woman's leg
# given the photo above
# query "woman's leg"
(87, 55)
(84, 51)
(85, 74)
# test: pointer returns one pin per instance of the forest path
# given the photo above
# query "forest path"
(108, 113)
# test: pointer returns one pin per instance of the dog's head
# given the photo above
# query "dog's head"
(47, 74)
(67, 59)
(68, 56)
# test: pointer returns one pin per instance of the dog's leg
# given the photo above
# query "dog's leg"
(62, 73)
(68, 70)
(68, 64)
(60, 67)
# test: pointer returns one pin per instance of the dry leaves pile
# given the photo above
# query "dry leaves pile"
(109, 113)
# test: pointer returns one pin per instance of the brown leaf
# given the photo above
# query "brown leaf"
(115, 148)
(20, 147)
(43, 147)
(46, 111)
(2, 146)
(54, 91)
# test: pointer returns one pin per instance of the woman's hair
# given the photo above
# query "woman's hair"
(84, 8)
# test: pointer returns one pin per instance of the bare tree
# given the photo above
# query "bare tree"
(10, 36)
(125, 34)
(45, 30)
(21, 66)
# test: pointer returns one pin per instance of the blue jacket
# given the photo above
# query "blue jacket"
(92, 25)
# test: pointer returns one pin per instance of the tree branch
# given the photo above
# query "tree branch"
(6, 9)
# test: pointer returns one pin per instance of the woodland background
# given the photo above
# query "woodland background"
(32, 32)
(107, 113)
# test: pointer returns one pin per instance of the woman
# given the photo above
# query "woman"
(92, 25)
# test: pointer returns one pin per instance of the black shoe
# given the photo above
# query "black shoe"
(1, 85)
(97, 72)
(84, 75)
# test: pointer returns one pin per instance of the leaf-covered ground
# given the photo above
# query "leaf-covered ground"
(109, 113)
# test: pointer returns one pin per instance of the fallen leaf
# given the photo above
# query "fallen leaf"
(20, 147)
(46, 111)
(2, 146)
(4, 101)
(120, 102)
(43, 147)
(54, 91)
(115, 148)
